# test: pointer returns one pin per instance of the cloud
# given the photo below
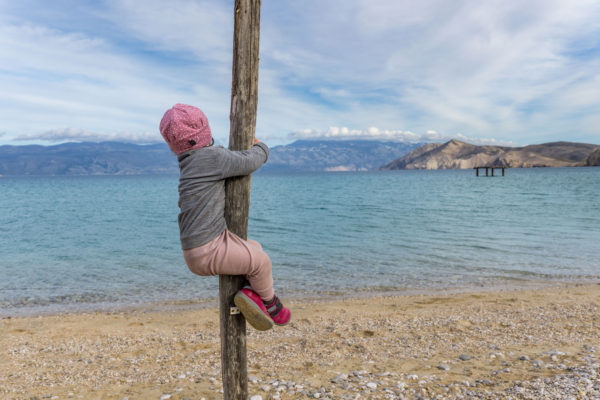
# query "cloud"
(373, 133)
(480, 68)
(202, 29)
(81, 135)
(343, 133)
(523, 71)
(53, 78)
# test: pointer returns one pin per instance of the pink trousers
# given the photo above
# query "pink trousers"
(228, 254)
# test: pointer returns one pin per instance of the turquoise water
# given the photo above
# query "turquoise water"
(80, 243)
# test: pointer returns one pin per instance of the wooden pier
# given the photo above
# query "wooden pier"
(487, 170)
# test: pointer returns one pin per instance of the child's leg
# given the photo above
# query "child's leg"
(228, 254)
(261, 276)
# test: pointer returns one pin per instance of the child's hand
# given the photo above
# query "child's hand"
(256, 140)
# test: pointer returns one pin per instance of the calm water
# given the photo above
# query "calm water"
(77, 243)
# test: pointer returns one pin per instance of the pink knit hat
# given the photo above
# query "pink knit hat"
(185, 128)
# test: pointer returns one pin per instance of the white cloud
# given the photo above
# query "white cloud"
(201, 28)
(81, 135)
(373, 133)
(480, 68)
(524, 71)
(60, 79)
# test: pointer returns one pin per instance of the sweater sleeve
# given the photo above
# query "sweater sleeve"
(238, 163)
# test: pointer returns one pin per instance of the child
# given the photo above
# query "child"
(208, 247)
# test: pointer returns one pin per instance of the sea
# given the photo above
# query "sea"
(94, 243)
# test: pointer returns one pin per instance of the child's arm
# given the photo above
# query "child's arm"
(237, 163)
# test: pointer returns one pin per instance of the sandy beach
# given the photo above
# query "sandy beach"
(518, 344)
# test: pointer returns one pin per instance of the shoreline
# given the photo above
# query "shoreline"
(175, 305)
(522, 343)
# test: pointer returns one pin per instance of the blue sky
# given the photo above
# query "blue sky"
(508, 72)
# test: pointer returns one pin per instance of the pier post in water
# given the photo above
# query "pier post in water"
(244, 100)
(487, 170)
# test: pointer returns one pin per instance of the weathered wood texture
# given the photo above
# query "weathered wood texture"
(244, 100)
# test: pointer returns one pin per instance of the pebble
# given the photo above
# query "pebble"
(464, 357)
(165, 397)
(444, 367)
(371, 385)
(538, 363)
(502, 371)
(256, 397)
(340, 378)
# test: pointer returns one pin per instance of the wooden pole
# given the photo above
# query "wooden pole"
(244, 100)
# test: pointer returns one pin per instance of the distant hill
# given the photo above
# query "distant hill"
(456, 154)
(593, 160)
(335, 155)
(107, 158)
(114, 158)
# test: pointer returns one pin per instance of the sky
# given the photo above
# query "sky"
(493, 72)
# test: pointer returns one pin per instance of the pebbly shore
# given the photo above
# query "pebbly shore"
(512, 344)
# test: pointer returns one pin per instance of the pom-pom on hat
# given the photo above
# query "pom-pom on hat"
(185, 128)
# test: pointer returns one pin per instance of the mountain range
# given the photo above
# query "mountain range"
(458, 155)
(106, 158)
(114, 158)
(335, 155)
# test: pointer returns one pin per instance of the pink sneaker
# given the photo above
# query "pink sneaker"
(253, 309)
(280, 314)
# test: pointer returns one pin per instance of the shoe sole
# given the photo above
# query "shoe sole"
(252, 312)
(284, 324)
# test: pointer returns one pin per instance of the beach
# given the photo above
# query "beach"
(519, 344)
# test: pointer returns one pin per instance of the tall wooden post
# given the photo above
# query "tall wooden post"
(244, 99)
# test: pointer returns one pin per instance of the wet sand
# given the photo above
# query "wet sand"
(512, 343)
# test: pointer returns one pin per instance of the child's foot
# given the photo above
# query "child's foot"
(278, 312)
(253, 309)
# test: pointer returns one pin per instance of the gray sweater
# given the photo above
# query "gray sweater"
(202, 188)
